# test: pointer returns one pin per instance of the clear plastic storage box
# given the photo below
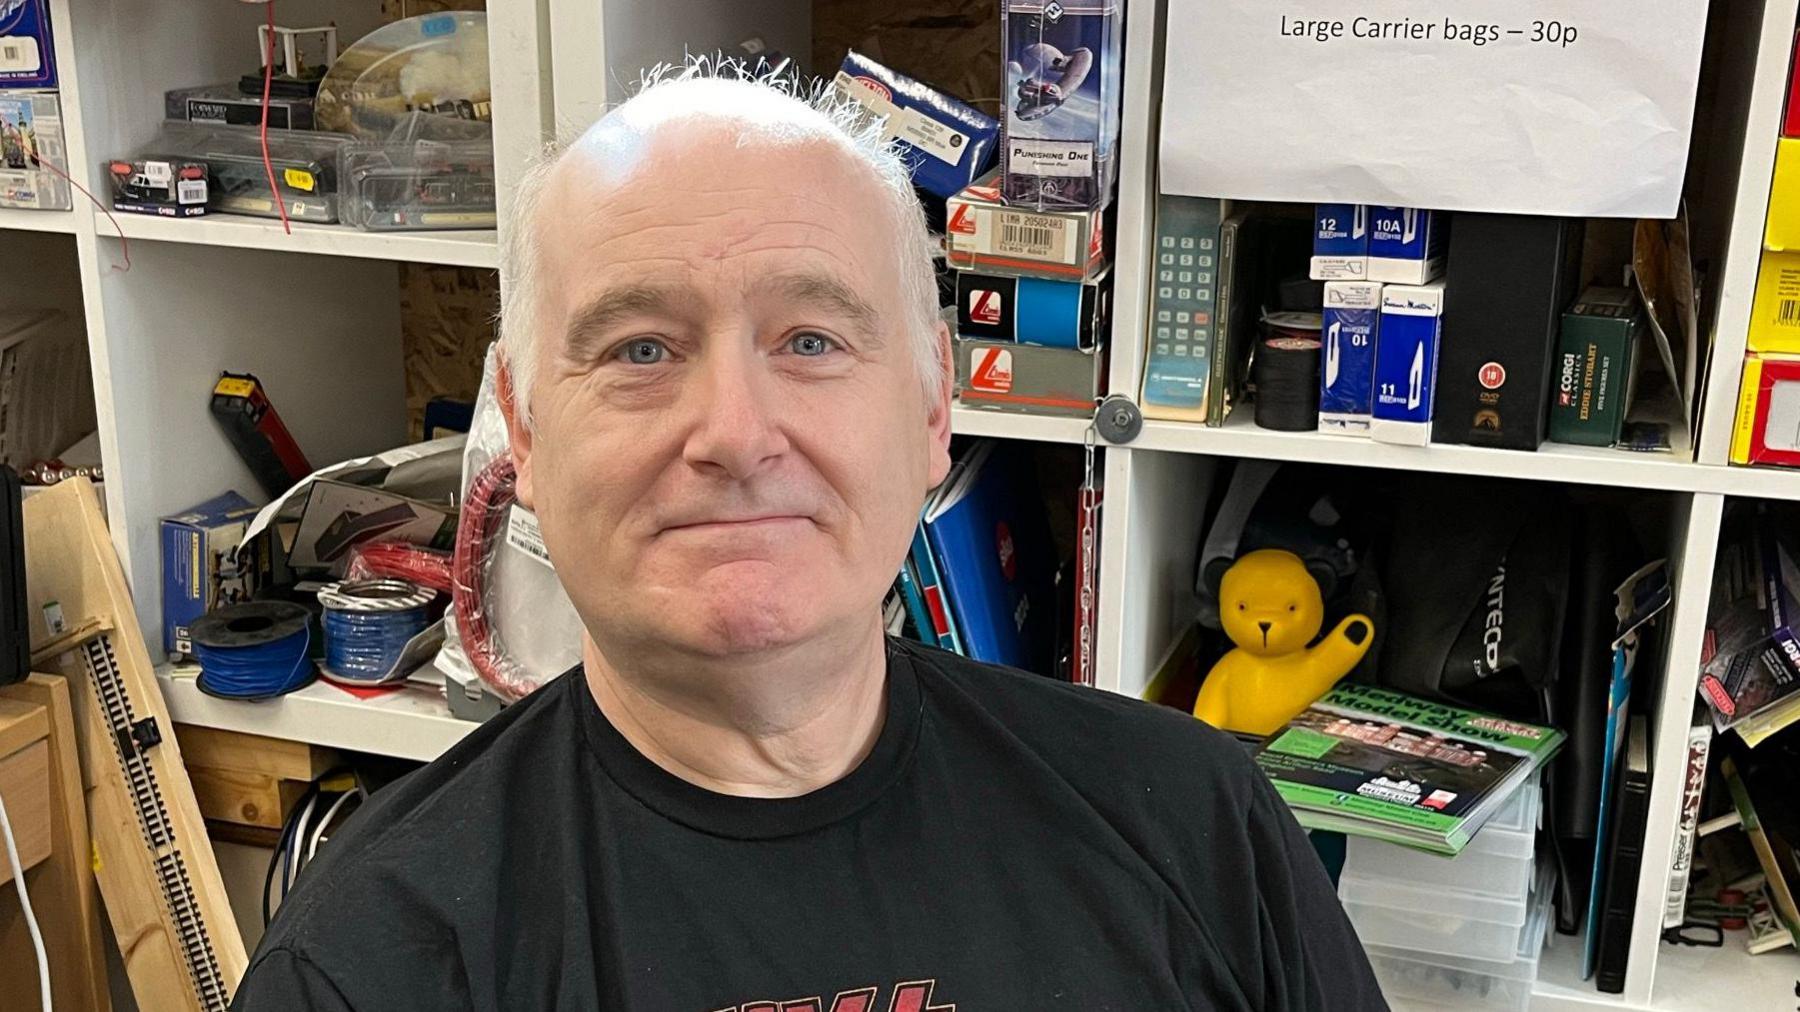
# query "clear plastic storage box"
(1415, 980)
(1496, 862)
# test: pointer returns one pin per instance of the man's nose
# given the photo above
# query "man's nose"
(736, 413)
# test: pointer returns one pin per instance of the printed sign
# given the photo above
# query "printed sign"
(1575, 107)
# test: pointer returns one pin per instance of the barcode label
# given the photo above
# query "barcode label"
(523, 534)
(1788, 313)
(10, 53)
(190, 191)
(20, 53)
(1033, 239)
(1035, 236)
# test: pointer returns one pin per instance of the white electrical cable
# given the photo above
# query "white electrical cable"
(312, 846)
(37, 937)
(293, 867)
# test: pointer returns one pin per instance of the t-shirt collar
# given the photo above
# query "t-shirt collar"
(760, 818)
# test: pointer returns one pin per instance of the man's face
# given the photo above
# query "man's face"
(731, 442)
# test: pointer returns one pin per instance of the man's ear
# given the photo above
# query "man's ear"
(938, 413)
(518, 432)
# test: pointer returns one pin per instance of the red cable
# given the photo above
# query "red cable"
(484, 512)
(124, 244)
(268, 80)
(427, 567)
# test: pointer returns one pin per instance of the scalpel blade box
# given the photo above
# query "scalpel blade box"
(1028, 379)
(1347, 375)
(985, 234)
(1406, 354)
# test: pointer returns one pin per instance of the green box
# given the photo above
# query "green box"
(1595, 362)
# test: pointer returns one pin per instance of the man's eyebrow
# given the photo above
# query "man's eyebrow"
(592, 321)
(825, 292)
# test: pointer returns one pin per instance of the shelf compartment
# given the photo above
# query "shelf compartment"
(456, 248)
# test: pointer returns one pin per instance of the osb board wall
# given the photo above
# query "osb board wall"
(446, 324)
(952, 44)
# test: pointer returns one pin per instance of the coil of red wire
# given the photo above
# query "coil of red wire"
(427, 567)
(483, 518)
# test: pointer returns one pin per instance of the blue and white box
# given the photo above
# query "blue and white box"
(1406, 355)
(1061, 136)
(1406, 245)
(947, 144)
(1340, 242)
(1347, 360)
(27, 57)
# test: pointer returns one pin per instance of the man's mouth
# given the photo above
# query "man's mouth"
(738, 523)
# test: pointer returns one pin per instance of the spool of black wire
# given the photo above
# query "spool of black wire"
(1286, 373)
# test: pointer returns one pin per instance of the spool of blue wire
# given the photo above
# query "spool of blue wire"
(367, 625)
(254, 650)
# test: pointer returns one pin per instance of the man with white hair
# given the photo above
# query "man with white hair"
(727, 392)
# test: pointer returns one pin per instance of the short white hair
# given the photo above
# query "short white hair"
(772, 111)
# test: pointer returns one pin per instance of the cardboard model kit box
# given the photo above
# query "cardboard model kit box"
(31, 150)
(27, 55)
(1781, 230)
(1024, 378)
(1775, 310)
(202, 567)
(983, 233)
(1768, 416)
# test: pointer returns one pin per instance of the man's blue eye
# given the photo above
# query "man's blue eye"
(644, 352)
(811, 345)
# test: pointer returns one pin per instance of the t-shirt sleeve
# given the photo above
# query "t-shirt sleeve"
(282, 980)
(1311, 958)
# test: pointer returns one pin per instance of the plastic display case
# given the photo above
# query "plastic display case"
(1497, 861)
(1425, 981)
(306, 164)
(419, 185)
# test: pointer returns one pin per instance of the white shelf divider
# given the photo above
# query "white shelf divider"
(1743, 251)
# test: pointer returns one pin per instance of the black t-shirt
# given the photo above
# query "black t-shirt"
(1010, 843)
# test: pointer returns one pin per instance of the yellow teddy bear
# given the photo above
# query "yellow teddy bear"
(1271, 608)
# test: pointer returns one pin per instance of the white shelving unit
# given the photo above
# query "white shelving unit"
(315, 315)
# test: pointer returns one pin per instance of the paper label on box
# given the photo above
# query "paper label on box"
(990, 230)
(190, 191)
(939, 140)
(1782, 430)
(522, 532)
(1035, 236)
(20, 54)
(158, 173)
(1050, 158)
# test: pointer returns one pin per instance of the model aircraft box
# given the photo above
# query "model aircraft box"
(947, 143)
(1062, 102)
(27, 57)
(201, 565)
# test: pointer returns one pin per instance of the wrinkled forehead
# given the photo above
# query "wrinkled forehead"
(707, 200)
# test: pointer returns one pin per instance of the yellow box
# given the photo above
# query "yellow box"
(1782, 230)
(1775, 311)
